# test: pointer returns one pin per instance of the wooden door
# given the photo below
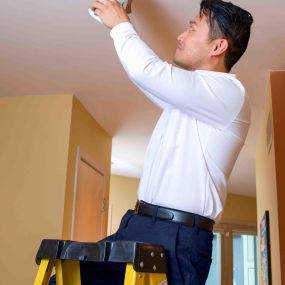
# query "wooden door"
(89, 210)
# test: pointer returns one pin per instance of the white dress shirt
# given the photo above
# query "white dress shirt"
(199, 135)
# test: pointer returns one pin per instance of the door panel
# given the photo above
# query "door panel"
(89, 206)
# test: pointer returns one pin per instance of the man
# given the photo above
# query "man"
(198, 137)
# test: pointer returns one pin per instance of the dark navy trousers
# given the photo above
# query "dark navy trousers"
(188, 249)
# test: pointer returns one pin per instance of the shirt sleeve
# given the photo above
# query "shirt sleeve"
(210, 97)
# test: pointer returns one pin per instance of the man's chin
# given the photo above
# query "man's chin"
(181, 64)
(177, 62)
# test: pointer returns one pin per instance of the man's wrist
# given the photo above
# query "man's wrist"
(121, 28)
(120, 22)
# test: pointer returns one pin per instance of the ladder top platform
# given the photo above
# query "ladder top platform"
(144, 257)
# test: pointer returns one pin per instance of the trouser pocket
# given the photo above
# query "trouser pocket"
(194, 250)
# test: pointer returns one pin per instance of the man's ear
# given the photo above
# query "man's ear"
(219, 47)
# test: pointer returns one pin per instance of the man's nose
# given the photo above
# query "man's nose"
(180, 38)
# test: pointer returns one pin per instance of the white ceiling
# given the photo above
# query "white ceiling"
(55, 47)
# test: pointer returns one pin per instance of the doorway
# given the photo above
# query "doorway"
(89, 209)
(234, 256)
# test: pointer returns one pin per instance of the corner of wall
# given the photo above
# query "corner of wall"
(266, 188)
(93, 140)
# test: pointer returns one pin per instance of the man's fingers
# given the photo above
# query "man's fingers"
(102, 4)
(97, 5)
(110, 11)
(105, 2)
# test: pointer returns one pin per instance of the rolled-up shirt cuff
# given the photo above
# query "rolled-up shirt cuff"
(121, 28)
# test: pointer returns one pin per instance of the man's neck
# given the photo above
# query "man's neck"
(213, 67)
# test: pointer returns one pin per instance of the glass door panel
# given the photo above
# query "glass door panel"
(244, 259)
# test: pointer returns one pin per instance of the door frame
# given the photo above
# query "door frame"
(82, 155)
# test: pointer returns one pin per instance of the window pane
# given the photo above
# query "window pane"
(214, 277)
(245, 259)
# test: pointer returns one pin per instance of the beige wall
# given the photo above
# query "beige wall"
(123, 196)
(92, 139)
(34, 134)
(38, 140)
(266, 189)
(240, 209)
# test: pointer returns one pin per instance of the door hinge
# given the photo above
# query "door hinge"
(103, 205)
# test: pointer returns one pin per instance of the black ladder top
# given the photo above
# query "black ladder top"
(144, 257)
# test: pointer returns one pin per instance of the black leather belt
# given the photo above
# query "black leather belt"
(189, 219)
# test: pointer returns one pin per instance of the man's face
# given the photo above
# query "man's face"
(194, 45)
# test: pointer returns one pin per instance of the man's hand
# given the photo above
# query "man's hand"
(110, 11)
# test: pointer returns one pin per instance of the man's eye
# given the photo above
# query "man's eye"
(191, 29)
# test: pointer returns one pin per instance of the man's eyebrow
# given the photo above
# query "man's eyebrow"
(193, 23)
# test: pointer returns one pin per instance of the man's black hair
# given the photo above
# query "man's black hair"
(230, 22)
